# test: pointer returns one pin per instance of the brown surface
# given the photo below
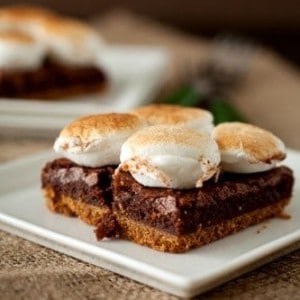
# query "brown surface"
(162, 241)
(194, 14)
(29, 271)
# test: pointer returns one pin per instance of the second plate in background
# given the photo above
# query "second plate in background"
(136, 74)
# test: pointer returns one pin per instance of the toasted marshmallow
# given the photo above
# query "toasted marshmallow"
(96, 140)
(164, 114)
(70, 41)
(19, 51)
(247, 149)
(26, 19)
(170, 157)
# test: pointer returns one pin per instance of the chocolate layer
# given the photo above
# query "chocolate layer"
(90, 185)
(49, 76)
(185, 211)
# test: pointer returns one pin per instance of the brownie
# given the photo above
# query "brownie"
(181, 212)
(171, 220)
(49, 79)
(78, 191)
(90, 185)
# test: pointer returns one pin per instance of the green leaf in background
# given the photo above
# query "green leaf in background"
(223, 111)
(185, 96)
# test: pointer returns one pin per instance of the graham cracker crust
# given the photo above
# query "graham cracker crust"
(165, 242)
(68, 206)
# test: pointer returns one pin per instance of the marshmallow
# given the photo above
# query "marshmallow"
(160, 114)
(70, 41)
(19, 51)
(247, 149)
(96, 140)
(67, 40)
(170, 157)
(23, 18)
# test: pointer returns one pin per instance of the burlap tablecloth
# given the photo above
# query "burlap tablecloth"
(269, 98)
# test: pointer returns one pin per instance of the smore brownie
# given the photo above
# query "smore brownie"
(169, 193)
(175, 220)
(51, 80)
(74, 190)
(80, 183)
(45, 55)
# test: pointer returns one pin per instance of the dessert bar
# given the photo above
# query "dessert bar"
(166, 178)
(177, 188)
(79, 184)
(52, 80)
(44, 55)
(175, 220)
(74, 190)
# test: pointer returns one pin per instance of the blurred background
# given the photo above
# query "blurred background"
(253, 76)
(275, 24)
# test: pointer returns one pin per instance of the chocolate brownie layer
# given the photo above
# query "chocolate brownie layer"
(162, 241)
(181, 212)
(51, 79)
(75, 190)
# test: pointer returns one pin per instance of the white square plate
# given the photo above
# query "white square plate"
(23, 212)
(135, 75)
